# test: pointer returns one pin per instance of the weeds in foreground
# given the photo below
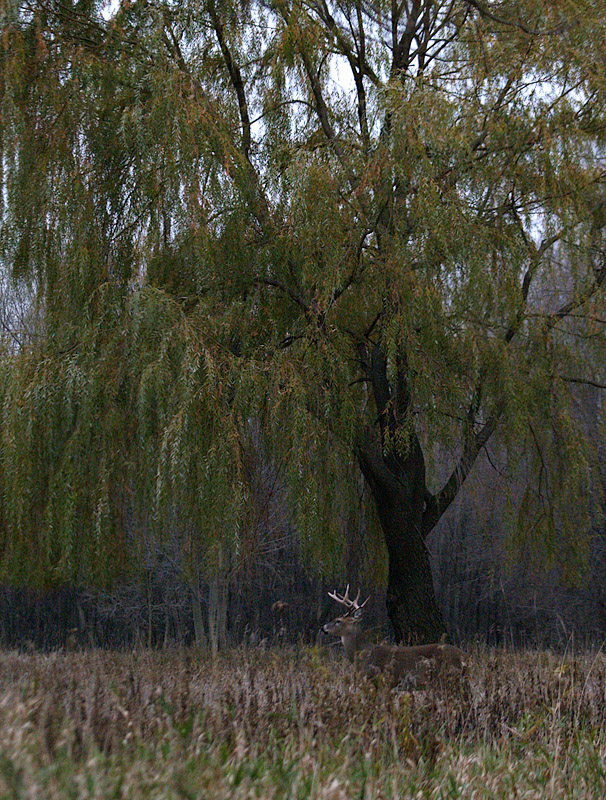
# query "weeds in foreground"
(297, 724)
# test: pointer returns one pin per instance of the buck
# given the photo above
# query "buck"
(416, 666)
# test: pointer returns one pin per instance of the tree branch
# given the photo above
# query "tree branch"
(294, 296)
(582, 381)
(484, 12)
(230, 152)
(235, 77)
(436, 505)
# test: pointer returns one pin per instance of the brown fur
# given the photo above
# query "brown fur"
(417, 665)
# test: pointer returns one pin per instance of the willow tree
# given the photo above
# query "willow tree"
(373, 230)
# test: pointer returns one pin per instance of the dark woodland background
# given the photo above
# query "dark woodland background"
(484, 593)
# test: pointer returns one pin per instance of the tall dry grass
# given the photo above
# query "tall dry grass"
(297, 724)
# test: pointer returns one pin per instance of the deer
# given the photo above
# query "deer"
(418, 666)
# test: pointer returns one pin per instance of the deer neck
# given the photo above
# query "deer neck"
(353, 642)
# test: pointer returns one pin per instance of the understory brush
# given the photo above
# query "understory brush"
(297, 723)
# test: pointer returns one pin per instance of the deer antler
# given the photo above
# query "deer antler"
(345, 600)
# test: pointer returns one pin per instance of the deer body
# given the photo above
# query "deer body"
(417, 665)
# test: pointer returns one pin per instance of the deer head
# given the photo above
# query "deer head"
(348, 625)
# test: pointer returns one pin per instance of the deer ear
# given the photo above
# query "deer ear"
(358, 614)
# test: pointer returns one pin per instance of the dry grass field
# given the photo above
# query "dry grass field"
(297, 724)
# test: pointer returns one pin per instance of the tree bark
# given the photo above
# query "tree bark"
(398, 491)
(395, 472)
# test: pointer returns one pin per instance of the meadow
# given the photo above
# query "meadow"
(295, 724)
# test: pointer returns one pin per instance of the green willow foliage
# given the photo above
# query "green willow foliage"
(220, 206)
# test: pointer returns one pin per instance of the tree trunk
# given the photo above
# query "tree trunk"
(398, 491)
(196, 604)
(396, 476)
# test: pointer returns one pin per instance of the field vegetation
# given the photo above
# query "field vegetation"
(297, 724)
